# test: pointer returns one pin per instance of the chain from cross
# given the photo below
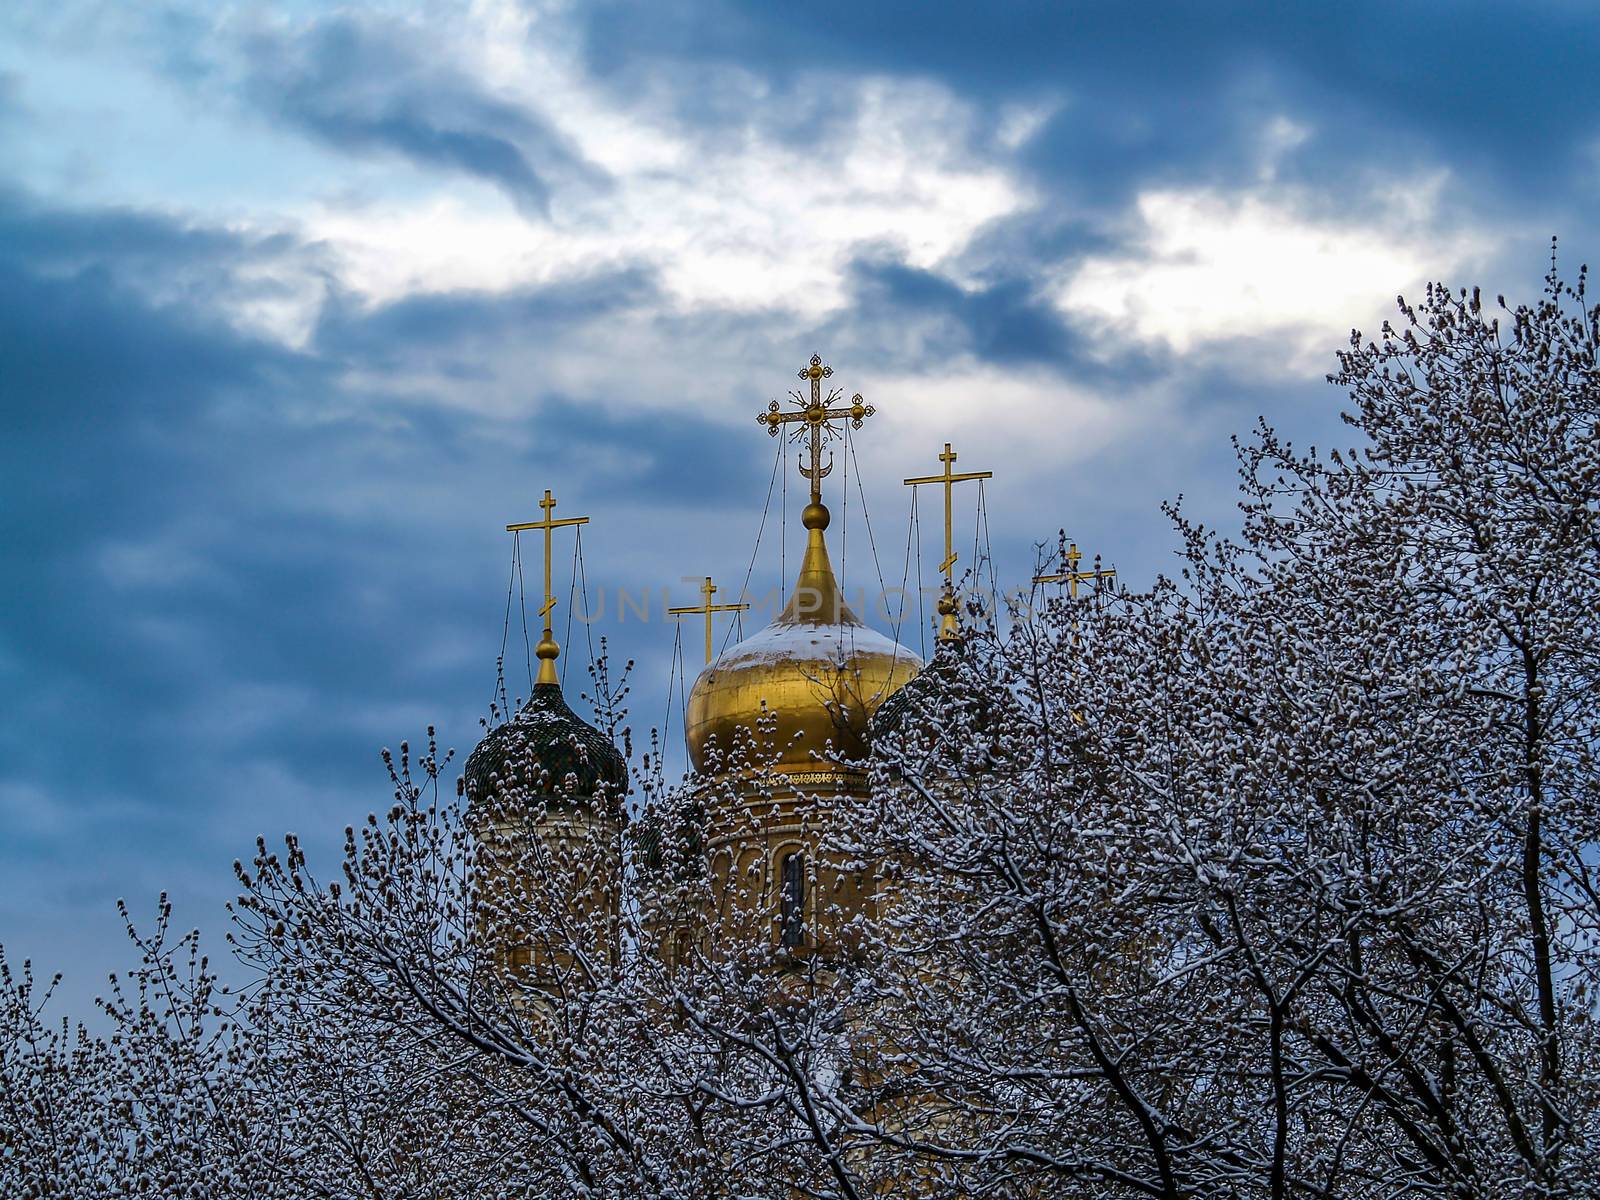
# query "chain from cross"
(949, 630)
(547, 650)
(708, 590)
(1072, 577)
(814, 417)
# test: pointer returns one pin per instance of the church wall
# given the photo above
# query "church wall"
(557, 869)
(748, 841)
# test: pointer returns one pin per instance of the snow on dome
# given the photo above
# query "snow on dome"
(820, 679)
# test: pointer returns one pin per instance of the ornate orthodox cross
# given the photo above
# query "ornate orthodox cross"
(815, 416)
(708, 590)
(1072, 577)
(547, 649)
(948, 627)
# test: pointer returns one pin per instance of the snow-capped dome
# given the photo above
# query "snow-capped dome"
(806, 686)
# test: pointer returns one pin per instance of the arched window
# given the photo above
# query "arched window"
(793, 875)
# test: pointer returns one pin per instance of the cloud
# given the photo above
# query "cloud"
(467, 321)
(1161, 101)
(1208, 267)
(1005, 321)
(207, 527)
(371, 87)
(745, 225)
(296, 312)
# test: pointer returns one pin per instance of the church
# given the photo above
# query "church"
(779, 728)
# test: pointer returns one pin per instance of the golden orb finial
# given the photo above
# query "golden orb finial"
(548, 652)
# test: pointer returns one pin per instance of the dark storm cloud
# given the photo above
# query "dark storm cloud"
(118, 420)
(231, 573)
(201, 526)
(131, 630)
(1506, 95)
(368, 87)
(1186, 96)
(1005, 322)
(998, 312)
(438, 321)
(119, 241)
(459, 335)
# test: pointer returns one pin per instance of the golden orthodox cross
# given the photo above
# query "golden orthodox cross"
(708, 590)
(948, 628)
(816, 414)
(1072, 577)
(547, 650)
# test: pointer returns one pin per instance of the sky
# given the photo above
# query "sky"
(301, 304)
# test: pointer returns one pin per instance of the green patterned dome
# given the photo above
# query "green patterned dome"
(546, 750)
(652, 835)
(933, 688)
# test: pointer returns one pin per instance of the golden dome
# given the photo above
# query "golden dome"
(817, 670)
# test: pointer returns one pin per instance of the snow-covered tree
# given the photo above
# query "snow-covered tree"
(1278, 880)
(1275, 880)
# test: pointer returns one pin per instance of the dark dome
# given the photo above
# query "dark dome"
(652, 832)
(931, 689)
(549, 750)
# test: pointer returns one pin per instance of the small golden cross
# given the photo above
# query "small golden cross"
(547, 650)
(816, 414)
(1072, 577)
(708, 590)
(949, 630)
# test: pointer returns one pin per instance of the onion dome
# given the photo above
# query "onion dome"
(940, 678)
(676, 835)
(807, 685)
(546, 750)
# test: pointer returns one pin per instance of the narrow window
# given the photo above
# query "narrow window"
(794, 899)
